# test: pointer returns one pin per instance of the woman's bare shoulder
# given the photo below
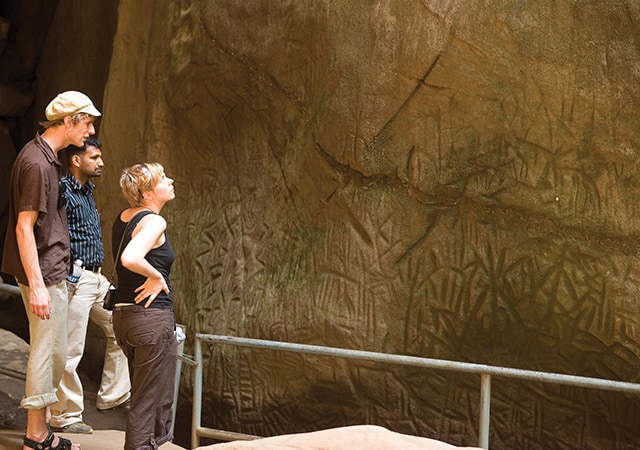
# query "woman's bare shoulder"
(128, 214)
(153, 220)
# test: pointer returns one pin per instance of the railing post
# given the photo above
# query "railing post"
(196, 411)
(485, 408)
(176, 386)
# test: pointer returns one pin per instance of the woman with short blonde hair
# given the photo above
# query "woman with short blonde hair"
(143, 318)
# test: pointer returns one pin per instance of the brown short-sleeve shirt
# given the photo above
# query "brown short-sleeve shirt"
(35, 186)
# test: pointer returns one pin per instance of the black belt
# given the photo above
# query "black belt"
(93, 268)
(129, 306)
(139, 307)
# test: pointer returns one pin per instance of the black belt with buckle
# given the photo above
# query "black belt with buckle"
(95, 269)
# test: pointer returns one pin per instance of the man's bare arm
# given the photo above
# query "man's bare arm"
(39, 299)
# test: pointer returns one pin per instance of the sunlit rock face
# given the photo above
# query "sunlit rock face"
(446, 179)
(424, 178)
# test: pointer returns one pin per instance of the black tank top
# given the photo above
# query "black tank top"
(160, 258)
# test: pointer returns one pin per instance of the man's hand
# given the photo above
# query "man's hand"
(40, 302)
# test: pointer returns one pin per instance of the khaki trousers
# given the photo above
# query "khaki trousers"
(47, 348)
(114, 389)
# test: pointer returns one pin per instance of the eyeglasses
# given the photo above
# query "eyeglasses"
(62, 200)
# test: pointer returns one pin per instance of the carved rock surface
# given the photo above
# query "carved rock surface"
(443, 178)
(448, 179)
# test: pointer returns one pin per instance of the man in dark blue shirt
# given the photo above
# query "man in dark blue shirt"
(86, 297)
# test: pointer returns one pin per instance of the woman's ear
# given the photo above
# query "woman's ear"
(147, 195)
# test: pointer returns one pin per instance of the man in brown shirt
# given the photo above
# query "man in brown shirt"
(37, 253)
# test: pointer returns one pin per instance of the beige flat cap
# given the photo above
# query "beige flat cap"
(69, 103)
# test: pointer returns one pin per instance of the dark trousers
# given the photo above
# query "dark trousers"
(147, 338)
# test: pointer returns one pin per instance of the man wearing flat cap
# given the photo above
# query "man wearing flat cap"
(37, 253)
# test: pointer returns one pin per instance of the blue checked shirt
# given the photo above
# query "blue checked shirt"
(84, 222)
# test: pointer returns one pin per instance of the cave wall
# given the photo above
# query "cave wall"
(446, 179)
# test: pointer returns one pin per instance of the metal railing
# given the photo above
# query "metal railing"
(485, 372)
(8, 289)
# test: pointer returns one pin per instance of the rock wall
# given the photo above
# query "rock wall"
(444, 178)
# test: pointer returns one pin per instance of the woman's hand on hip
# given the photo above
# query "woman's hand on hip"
(150, 290)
